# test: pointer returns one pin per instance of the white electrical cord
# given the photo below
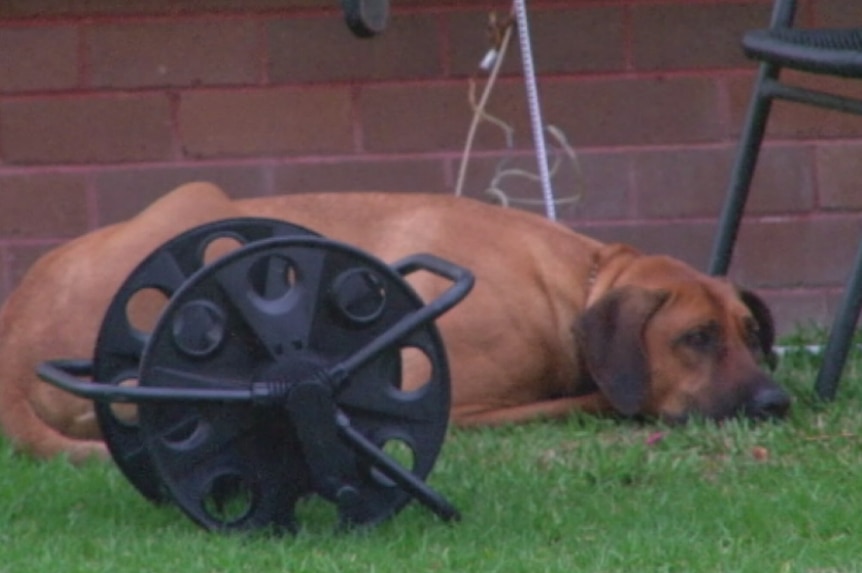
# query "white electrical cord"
(493, 60)
(520, 9)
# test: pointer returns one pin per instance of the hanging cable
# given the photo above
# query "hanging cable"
(493, 60)
(520, 8)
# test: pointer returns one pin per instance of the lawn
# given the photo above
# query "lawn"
(581, 495)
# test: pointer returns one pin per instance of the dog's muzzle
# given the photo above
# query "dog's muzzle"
(767, 403)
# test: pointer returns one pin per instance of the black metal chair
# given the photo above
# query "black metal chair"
(836, 52)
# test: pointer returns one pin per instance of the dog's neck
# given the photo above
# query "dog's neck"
(606, 265)
(585, 384)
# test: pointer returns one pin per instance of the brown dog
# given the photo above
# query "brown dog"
(557, 322)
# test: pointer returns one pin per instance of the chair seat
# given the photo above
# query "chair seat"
(824, 51)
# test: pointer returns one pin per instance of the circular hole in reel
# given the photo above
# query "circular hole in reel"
(359, 294)
(219, 246)
(125, 413)
(186, 434)
(316, 514)
(144, 308)
(416, 369)
(272, 277)
(229, 499)
(400, 451)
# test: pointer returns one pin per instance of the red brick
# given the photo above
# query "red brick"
(43, 8)
(634, 111)
(173, 53)
(607, 186)
(85, 8)
(322, 49)
(693, 35)
(95, 129)
(591, 113)
(38, 58)
(602, 189)
(445, 3)
(568, 40)
(839, 173)
(794, 310)
(787, 253)
(693, 182)
(433, 117)
(783, 181)
(837, 13)
(121, 193)
(681, 182)
(266, 122)
(5, 280)
(21, 257)
(38, 206)
(365, 175)
(686, 240)
(792, 120)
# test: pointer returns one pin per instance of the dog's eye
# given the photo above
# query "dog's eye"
(701, 338)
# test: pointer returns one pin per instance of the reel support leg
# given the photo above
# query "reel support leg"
(394, 471)
(313, 414)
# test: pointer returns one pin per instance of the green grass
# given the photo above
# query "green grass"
(582, 495)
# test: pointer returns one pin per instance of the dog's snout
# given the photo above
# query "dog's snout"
(768, 403)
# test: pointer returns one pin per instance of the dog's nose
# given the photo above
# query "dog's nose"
(768, 403)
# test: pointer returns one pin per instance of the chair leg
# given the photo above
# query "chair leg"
(742, 173)
(841, 335)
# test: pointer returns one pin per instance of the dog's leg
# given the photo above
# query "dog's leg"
(28, 433)
(548, 409)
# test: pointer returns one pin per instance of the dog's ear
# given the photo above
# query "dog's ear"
(765, 323)
(610, 333)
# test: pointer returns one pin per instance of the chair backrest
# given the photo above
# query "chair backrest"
(783, 12)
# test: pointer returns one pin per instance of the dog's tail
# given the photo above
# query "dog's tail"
(24, 428)
(55, 312)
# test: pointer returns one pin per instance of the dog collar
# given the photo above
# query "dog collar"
(593, 274)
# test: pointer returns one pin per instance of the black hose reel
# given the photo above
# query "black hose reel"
(273, 374)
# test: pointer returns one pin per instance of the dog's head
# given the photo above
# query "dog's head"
(662, 340)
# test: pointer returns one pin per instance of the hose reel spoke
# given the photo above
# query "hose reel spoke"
(275, 298)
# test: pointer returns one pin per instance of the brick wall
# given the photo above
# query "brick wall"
(105, 104)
